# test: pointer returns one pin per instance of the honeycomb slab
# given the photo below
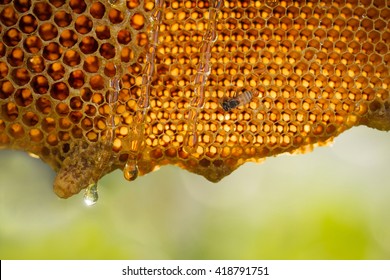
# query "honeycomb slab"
(92, 86)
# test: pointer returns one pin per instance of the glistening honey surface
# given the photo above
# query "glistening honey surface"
(88, 86)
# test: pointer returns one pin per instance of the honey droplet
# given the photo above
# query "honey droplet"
(130, 171)
(91, 195)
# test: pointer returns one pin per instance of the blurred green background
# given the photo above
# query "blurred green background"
(333, 203)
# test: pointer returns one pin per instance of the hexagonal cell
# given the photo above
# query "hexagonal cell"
(9, 111)
(30, 119)
(8, 16)
(115, 16)
(36, 64)
(75, 117)
(52, 51)
(15, 57)
(32, 44)
(141, 40)
(88, 45)
(43, 105)
(76, 79)
(62, 109)
(42, 10)
(12, 37)
(20, 76)
(68, 38)
(64, 123)
(62, 18)
(96, 82)
(59, 91)
(28, 24)
(48, 31)
(78, 6)
(16, 130)
(97, 10)
(39, 84)
(56, 71)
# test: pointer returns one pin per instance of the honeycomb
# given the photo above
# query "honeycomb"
(92, 86)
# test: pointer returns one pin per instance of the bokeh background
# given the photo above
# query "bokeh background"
(332, 203)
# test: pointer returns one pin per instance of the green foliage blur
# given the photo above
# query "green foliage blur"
(333, 203)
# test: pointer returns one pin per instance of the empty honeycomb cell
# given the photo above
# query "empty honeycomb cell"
(97, 82)
(87, 124)
(43, 105)
(375, 59)
(75, 116)
(48, 31)
(8, 16)
(76, 79)
(97, 10)
(32, 44)
(71, 58)
(52, 51)
(62, 109)
(9, 111)
(57, 3)
(367, 25)
(76, 103)
(382, 71)
(110, 69)
(52, 140)
(64, 123)
(59, 91)
(23, 97)
(88, 45)
(48, 124)
(115, 16)
(62, 18)
(39, 84)
(64, 136)
(20, 76)
(15, 57)
(35, 135)
(83, 24)
(36, 64)
(86, 94)
(30, 119)
(42, 10)
(124, 37)
(12, 37)
(107, 50)
(374, 36)
(16, 130)
(22, 5)
(379, 4)
(91, 64)
(78, 6)
(56, 71)
(127, 55)
(68, 38)
(385, 14)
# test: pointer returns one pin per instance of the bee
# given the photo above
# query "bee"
(229, 104)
